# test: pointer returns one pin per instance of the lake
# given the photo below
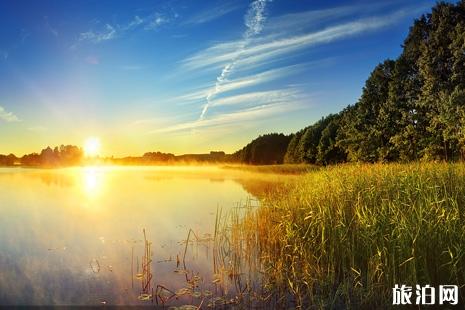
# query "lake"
(75, 236)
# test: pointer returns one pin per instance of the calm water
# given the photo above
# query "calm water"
(75, 236)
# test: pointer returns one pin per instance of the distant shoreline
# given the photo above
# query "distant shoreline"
(287, 169)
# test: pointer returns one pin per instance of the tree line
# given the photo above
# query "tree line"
(64, 155)
(411, 108)
(154, 158)
(70, 155)
(266, 149)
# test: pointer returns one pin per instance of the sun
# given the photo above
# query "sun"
(92, 147)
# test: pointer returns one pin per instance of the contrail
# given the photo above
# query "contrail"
(254, 20)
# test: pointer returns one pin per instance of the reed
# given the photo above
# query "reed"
(146, 276)
(289, 169)
(343, 236)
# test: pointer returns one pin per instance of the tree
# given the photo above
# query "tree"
(329, 152)
(8, 160)
(411, 108)
(366, 133)
(264, 150)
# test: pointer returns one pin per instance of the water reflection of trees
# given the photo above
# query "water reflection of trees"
(55, 179)
(260, 187)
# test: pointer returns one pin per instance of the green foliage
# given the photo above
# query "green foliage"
(65, 155)
(265, 150)
(291, 155)
(367, 130)
(158, 157)
(316, 144)
(8, 160)
(411, 108)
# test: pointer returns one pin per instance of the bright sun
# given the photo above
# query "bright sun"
(92, 147)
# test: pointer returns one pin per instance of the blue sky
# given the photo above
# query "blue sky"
(185, 76)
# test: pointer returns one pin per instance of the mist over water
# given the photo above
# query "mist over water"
(69, 236)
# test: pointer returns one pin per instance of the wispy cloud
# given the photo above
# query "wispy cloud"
(211, 13)
(280, 39)
(156, 21)
(49, 28)
(112, 31)
(258, 98)
(107, 33)
(7, 116)
(220, 52)
(136, 21)
(250, 114)
(254, 20)
(274, 48)
(24, 35)
(240, 83)
(7, 51)
(295, 22)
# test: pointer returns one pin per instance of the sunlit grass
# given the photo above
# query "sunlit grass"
(343, 236)
(276, 169)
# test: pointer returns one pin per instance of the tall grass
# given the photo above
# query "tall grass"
(275, 169)
(343, 236)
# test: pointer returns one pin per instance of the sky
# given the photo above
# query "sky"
(185, 76)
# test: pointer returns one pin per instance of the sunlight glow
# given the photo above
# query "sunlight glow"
(92, 182)
(92, 147)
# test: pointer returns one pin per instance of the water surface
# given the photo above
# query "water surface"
(74, 236)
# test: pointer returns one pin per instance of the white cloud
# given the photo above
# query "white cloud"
(221, 53)
(108, 33)
(257, 98)
(156, 21)
(7, 116)
(49, 28)
(254, 19)
(134, 23)
(212, 13)
(282, 38)
(309, 19)
(53, 31)
(271, 47)
(250, 114)
(240, 83)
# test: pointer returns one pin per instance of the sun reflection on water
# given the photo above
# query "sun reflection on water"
(93, 179)
(74, 215)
